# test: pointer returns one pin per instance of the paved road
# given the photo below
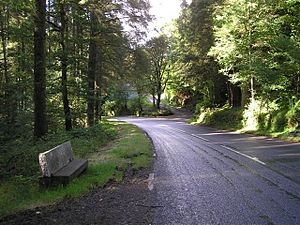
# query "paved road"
(202, 176)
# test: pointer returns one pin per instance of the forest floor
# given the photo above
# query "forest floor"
(130, 202)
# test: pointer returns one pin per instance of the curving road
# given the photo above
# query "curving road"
(202, 176)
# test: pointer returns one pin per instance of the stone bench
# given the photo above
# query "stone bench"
(58, 165)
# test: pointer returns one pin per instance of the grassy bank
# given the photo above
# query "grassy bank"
(274, 124)
(111, 148)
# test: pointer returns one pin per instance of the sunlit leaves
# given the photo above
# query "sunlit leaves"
(257, 38)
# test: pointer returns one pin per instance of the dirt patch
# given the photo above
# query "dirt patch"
(130, 202)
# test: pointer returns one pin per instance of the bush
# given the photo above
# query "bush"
(227, 118)
(293, 116)
(109, 108)
(260, 117)
(202, 107)
(264, 121)
(230, 118)
(135, 106)
(279, 121)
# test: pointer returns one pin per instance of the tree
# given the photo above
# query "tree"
(192, 40)
(158, 50)
(105, 21)
(4, 12)
(78, 74)
(40, 119)
(253, 48)
(64, 33)
(139, 70)
(92, 66)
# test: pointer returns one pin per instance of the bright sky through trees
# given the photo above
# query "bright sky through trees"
(164, 11)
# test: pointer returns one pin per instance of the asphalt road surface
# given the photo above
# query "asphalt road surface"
(204, 176)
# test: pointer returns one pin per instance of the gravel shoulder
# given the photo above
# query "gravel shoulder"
(130, 202)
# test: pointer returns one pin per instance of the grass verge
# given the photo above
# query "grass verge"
(233, 119)
(109, 157)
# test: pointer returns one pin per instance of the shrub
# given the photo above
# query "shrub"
(293, 116)
(264, 121)
(230, 118)
(135, 106)
(109, 108)
(202, 106)
(279, 121)
(227, 118)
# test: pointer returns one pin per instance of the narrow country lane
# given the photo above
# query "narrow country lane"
(206, 177)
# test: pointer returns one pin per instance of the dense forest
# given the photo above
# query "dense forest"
(239, 62)
(66, 63)
(60, 61)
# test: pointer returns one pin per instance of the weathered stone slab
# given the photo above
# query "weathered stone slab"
(55, 159)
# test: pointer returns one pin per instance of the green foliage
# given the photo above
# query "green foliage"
(110, 108)
(136, 106)
(257, 40)
(293, 116)
(158, 50)
(269, 116)
(195, 71)
(279, 121)
(224, 118)
(68, 58)
(202, 106)
(259, 117)
(256, 44)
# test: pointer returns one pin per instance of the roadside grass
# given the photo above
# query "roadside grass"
(130, 150)
(232, 119)
(108, 160)
(223, 118)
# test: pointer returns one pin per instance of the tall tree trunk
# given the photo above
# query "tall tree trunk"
(64, 69)
(153, 100)
(159, 91)
(98, 101)
(49, 48)
(92, 65)
(252, 91)
(234, 95)
(245, 94)
(158, 100)
(5, 64)
(229, 93)
(40, 118)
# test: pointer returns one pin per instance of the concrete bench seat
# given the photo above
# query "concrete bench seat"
(58, 165)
